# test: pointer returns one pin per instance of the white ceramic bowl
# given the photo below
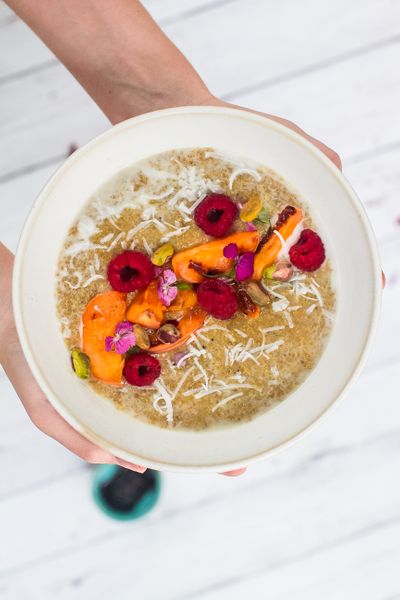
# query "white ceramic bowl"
(343, 226)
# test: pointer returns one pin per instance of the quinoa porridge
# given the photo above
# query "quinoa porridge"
(194, 290)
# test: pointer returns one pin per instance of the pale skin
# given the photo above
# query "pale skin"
(128, 66)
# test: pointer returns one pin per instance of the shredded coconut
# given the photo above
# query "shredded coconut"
(147, 246)
(106, 238)
(243, 171)
(94, 277)
(280, 305)
(288, 318)
(241, 333)
(311, 309)
(226, 400)
(174, 233)
(220, 328)
(77, 285)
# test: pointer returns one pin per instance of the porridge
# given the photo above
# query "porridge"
(194, 291)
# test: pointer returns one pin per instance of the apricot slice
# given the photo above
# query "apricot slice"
(99, 320)
(210, 257)
(192, 321)
(147, 309)
(269, 251)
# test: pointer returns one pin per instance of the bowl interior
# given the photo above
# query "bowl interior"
(339, 217)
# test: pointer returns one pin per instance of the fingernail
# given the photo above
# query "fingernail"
(128, 465)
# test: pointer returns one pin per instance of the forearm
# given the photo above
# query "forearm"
(117, 52)
(6, 314)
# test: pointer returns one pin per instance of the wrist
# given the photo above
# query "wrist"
(6, 312)
(125, 100)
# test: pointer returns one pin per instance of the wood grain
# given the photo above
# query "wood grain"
(321, 520)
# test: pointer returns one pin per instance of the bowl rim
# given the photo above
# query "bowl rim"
(100, 441)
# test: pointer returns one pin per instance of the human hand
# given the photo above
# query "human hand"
(39, 409)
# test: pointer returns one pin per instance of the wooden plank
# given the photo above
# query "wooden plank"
(321, 470)
(278, 530)
(362, 567)
(267, 40)
(351, 106)
(275, 46)
(39, 124)
(21, 51)
(377, 181)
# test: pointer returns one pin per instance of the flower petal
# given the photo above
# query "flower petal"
(125, 343)
(231, 251)
(250, 227)
(245, 266)
(168, 277)
(123, 327)
(167, 294)
(109, 343)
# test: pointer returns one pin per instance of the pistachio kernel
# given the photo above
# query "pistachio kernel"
(80, 363)
(142, 337)
(162, 254)
(268, 272)
(251, 209)
(174, 315)
(257, 294)
(168, 334)
(184, 285)
(283, 271)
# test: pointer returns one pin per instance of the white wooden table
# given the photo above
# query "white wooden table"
(321, 520)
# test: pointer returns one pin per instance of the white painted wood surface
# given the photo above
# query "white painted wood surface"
(322, 520)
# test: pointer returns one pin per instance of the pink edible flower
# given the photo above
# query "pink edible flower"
(250, 227)
(123, 339)
(167, 290)
(231, 251)
(245, 266)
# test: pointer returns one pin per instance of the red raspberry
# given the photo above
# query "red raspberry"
(130, 271)
(215, 214)
(308, 253)
(217, 298)
(141, 369)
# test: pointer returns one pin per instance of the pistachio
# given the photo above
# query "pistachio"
(174, 315)
(283, 271)
(263, 216)
(162, 254)
(80, 363)
(251, 209)
(168, 334)
(142, 337)
(269, 272)
(183, 285)
(258, 295)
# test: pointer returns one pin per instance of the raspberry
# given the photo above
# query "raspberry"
(130, 271)
(308, 253)
(217, 298)
(215, 214)
(141, 369)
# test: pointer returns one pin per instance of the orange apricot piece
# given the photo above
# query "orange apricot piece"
(210, 256)
(99, 320)
(146, 308)
(268, 253)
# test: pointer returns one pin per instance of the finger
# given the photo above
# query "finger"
(234, 473)
(42, 413)
(383, 280)
(331, 154)
(127, 465)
